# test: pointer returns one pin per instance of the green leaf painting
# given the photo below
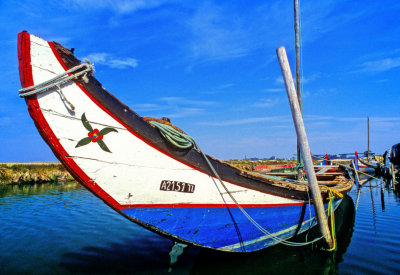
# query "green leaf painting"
(95, 135)
(107, 130)
(86, 123)
(103, 145)
(84, 141)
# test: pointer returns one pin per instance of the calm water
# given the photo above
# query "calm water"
(64, 229)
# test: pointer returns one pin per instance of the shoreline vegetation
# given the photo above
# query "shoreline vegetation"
(18, 173)
(33, 173)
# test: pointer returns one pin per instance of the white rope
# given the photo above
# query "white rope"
(60, 79)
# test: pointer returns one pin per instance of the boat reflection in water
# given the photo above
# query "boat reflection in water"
(284, 259)
(58, 223)
(152, 255)
(64, 229)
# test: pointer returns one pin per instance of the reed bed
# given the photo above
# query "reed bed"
(249, 165)
(34, 172)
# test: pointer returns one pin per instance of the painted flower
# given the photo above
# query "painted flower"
(94, 135)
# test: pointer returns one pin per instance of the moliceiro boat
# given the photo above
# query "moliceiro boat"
(130, 163)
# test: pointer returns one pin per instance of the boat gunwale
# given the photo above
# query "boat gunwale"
(143, 130)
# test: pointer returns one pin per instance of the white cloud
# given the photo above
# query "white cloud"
(184, 112)
(275, 90)
(184, 101)
(267, 102)
(380, 65)
(5, 121)
(279, 80)
(174, 107)
(121, 64)
(306, 79)
(147, 107)
(118, 6)
(225, 86)
(321, 17)
(97, 57)
(244, 121)
(108, 60)
(216, 34)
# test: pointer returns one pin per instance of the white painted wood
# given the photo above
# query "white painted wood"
(133, 167)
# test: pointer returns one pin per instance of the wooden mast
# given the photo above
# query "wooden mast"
(298, 75)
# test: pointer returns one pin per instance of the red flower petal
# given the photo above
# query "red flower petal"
(100, 136)
(96, 131)
(90, 134)
(94, 139)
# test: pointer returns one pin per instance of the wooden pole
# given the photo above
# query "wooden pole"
(304, 147)
(298, 71)
(368, 139)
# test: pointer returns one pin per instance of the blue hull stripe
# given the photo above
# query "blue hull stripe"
(214, 227)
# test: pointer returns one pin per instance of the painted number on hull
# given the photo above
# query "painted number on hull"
(178, 186)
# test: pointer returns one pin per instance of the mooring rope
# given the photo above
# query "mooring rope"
(331, 212)
(176, 136)
(57, 81)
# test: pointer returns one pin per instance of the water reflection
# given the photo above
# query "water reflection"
(130, 255)
(372, 206)
(36, 189)
(64, 229)
(141, 255)
(284, 259)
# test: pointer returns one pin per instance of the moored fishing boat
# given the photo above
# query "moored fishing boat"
(363, 166)
(389, 168)
(132, 165)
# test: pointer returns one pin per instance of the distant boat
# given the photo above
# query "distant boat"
(389, 168)
(325, 170)
(129, 163)
(364, 166)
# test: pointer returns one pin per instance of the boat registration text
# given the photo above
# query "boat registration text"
(177, 186)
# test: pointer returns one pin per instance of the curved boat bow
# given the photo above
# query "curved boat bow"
(126, 162)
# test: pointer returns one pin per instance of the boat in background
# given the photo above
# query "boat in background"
(389, 168)
(365, 166)
(325, 170)
(135, 167)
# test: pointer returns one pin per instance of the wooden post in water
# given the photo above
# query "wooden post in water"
(304, 147)
(368, 139)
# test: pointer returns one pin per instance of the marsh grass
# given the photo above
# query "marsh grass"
(31, 173)
(249, 165)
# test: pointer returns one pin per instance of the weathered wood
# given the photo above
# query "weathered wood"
(297, 49)
(298, 72)
(368, 139)
(304, 147)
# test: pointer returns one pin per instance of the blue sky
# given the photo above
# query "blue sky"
(211, 67)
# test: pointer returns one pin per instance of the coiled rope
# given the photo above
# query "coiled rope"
(178, 139)
(73, 73)
(182, 140)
